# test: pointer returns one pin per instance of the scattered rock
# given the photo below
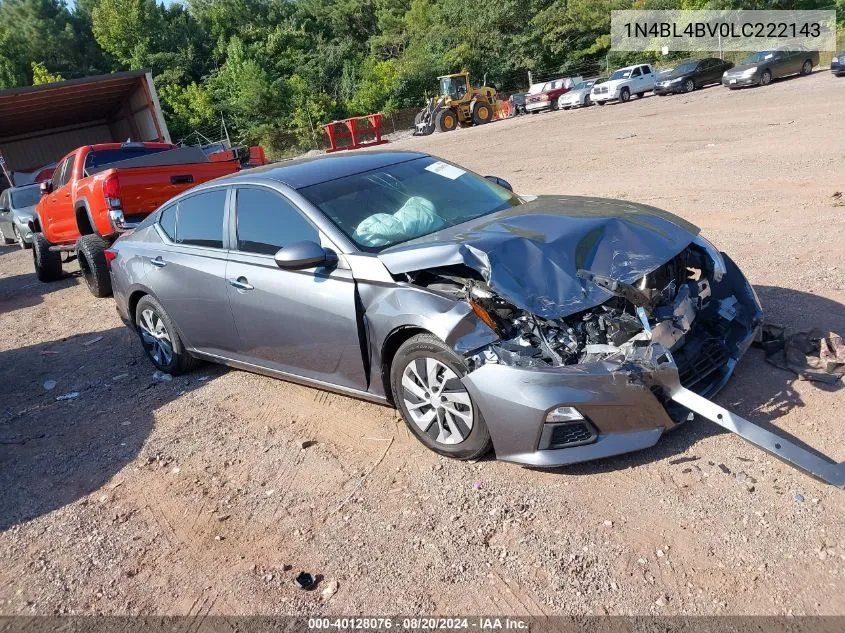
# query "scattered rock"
(160, 376)
(304, 580)
(798, 498)
(724, 469)
(608, 524)
(683, 460)
(219, 538)
(307, 444)
(661, 601)
(330, 589)
(68, 396)
(96, 339)
(49, 384)
(119, 377)
(478, 485)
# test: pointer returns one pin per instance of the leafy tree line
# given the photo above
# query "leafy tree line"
(276, 68)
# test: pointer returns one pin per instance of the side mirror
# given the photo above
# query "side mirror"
(305, 254)
(46, 187)
(500, 181)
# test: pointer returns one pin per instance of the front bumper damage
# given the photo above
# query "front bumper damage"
(628, 400)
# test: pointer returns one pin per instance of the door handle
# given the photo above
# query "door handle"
(240, 283)
(158, 262)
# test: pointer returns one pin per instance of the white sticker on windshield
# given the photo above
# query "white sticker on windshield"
(447, 171)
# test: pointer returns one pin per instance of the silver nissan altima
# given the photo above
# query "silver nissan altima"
(553, 329)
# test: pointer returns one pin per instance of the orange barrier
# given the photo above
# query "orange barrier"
(353, 130)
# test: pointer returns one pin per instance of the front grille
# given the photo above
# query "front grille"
(696, 362)
(571, 434)
(601, 90)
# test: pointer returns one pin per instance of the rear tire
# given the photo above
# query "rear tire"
(90, 250)
(482, 113)
(19, 238)
(807, 68)
(426, 370)
(640, 95)
(48, 264)
(160, 339)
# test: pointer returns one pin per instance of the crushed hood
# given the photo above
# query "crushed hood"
(529, 254)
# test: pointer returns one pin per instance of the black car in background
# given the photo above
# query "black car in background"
(760, 68)
(691, 74)
(837, 64)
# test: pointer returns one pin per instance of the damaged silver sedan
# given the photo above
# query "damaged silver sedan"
(552, 329)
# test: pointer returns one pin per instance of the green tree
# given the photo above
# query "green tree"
(40, 75)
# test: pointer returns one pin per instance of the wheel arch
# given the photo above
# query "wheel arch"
(84, 222)
(392, 342)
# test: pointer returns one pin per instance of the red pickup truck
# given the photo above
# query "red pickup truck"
(99, 191)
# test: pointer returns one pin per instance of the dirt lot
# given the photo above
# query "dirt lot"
(195, 496)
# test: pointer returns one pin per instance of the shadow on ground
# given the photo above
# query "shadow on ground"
(758, 391)
(54, 452)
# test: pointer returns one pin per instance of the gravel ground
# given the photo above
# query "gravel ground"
(195, 496)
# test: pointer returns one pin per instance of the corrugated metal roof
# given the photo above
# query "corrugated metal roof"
(72, 102)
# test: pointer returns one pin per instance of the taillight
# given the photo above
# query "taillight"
(111, 255)
(111, 191)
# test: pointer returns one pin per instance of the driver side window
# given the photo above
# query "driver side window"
(636, 72)
(267, 221)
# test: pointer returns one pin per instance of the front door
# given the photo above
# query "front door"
(187, 272)
(301, 322)
(59, 210)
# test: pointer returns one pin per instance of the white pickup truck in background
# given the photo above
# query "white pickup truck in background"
(623, 83)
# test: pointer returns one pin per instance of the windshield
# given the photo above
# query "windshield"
(383, 207)
(535, 89)
(687, 67)
(621, 74)
(26, 197)
(454, 87)
(756, 58)
(584, 85)
(107, 156)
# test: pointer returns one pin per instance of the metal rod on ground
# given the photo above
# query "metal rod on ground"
(311, 124)
(530, 79)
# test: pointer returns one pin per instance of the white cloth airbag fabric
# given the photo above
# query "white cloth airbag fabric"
(415, 218)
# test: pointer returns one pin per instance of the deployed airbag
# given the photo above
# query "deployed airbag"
(416, 217)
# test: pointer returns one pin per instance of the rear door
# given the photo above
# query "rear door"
(301, 322)
(187, 272)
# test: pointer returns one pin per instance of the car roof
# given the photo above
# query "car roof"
(633, 66)
(304, 172)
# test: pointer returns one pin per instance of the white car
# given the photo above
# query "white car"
(623, 83)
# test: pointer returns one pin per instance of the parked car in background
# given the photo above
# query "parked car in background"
(547, 97)
(691, 74)
(624, 82)
(17, 210)
(400, 278)
(760, 68)
(578, 97)
(518, 103)
(837, 64)
(98, 191)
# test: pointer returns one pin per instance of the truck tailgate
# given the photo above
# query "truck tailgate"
(144, 189)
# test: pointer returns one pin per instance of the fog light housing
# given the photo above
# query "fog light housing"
(563, 414)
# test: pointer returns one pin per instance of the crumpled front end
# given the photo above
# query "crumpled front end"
(600, 382)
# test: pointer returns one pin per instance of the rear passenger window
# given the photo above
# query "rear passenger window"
(267, 221)
(167, 221)
(199, 219)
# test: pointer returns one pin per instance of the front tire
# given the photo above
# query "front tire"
(48, 264)
(766, 78)
(90, 250)
(625, 95)
(160, 339)
(446, 120)
(4, 239)
(19, 238)
(435, 404)
(689, 85)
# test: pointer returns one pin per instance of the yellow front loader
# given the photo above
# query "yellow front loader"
(459, 104)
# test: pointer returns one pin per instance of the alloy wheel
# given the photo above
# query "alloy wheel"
(436, 400)
(155, 337)
(18, 236)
